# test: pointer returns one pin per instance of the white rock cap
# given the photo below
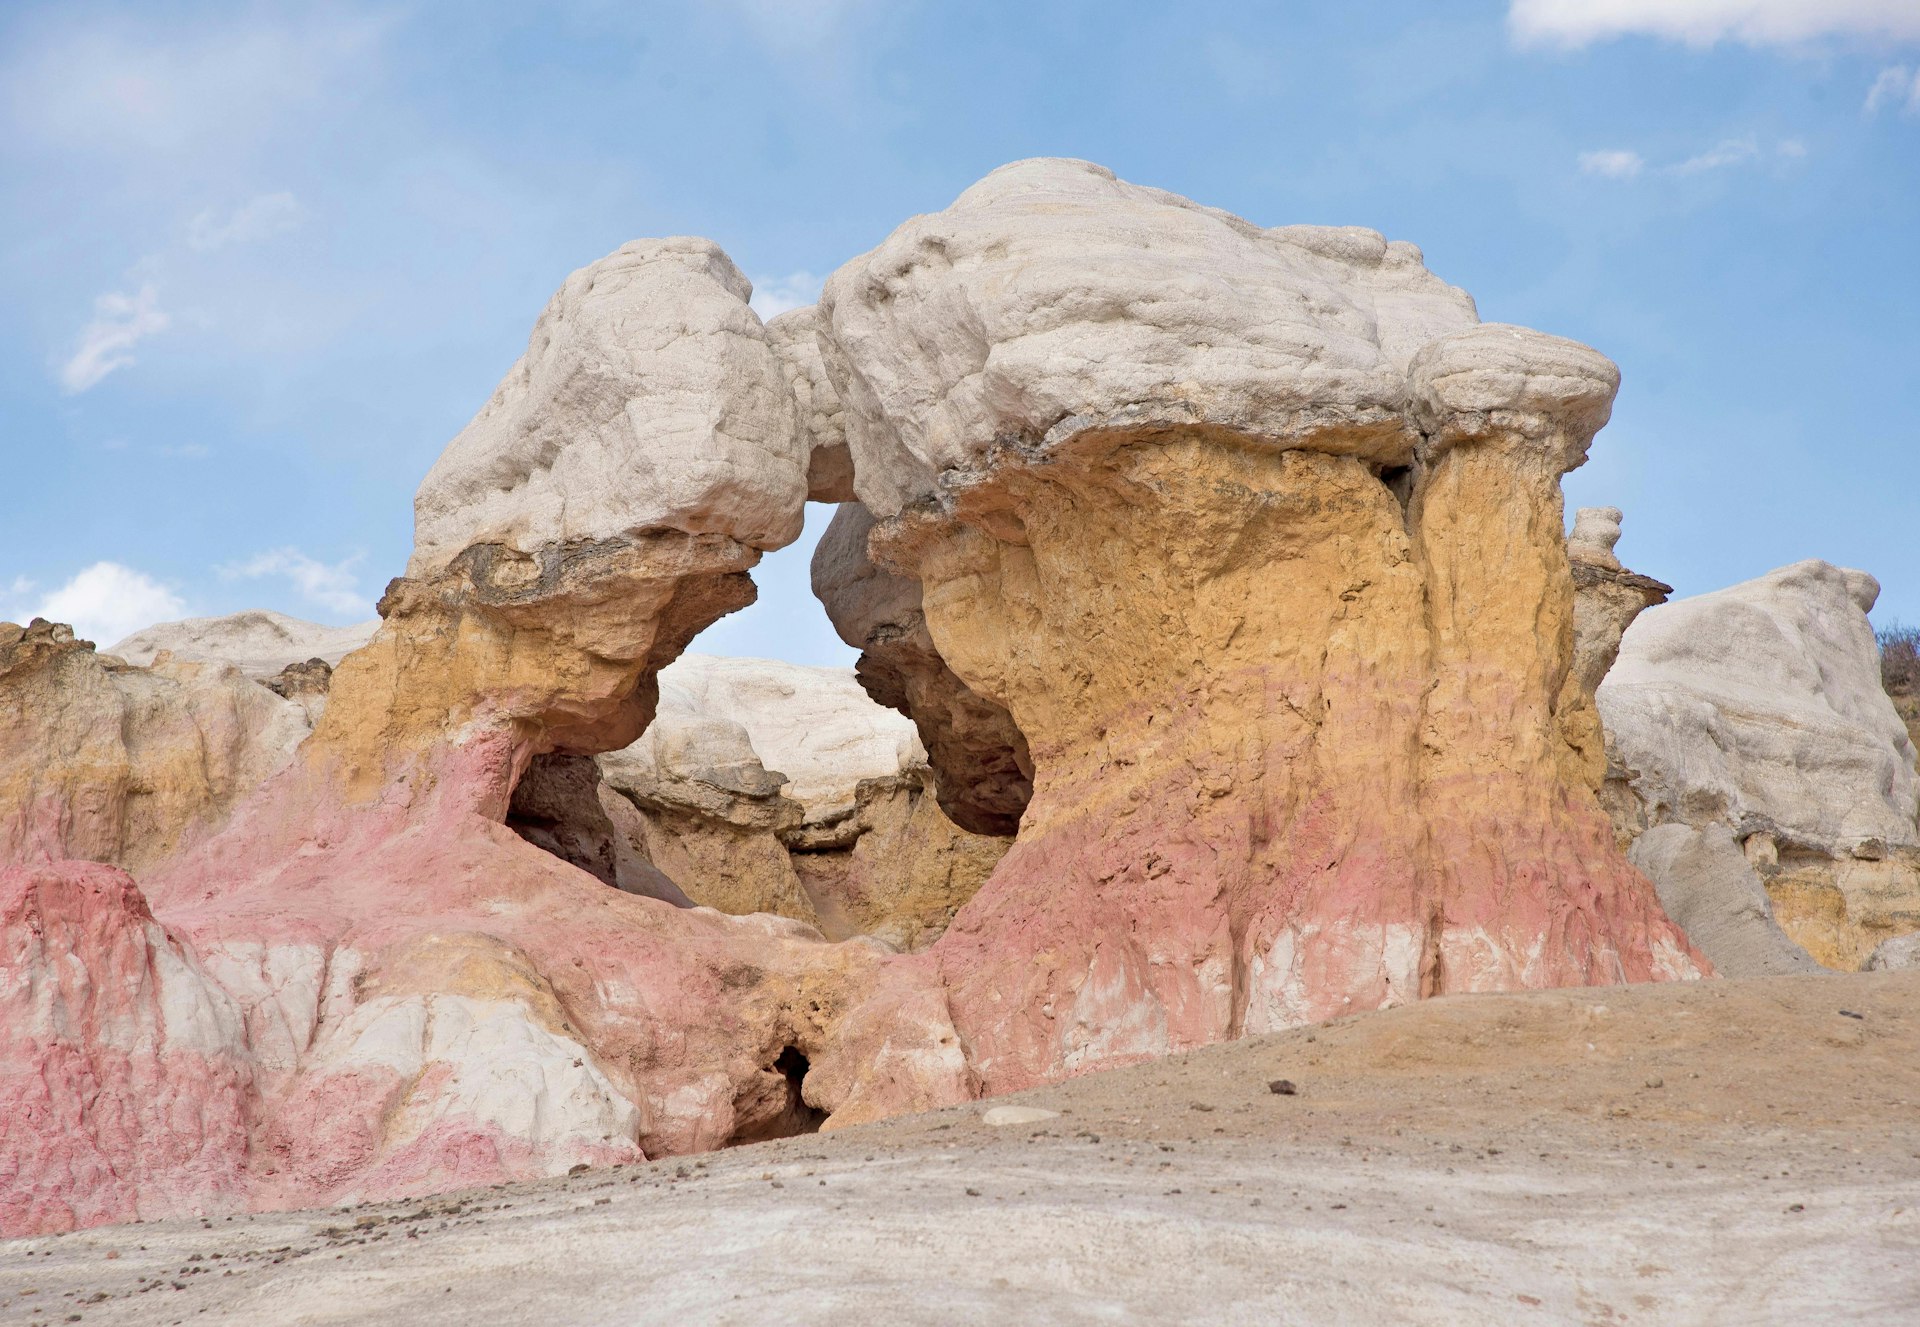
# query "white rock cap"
(649, 398)
(1054, 297)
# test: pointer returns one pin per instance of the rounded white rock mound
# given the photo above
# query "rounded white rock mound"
(257, 641)
(1760, 706)
(649, 398)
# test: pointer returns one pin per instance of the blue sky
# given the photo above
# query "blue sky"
(259, 263)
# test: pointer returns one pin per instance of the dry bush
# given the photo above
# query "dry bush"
(1900, 659)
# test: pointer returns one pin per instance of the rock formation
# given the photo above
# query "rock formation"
(1257, 537)
(1225, 564)
(111, 763)
(1760, 708)
(983, 771)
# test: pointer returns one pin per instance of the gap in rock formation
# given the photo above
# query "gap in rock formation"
(771, 1106)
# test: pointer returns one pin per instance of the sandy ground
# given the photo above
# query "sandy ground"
(1726, 1152)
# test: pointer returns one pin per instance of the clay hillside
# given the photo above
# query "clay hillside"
(1380, 903)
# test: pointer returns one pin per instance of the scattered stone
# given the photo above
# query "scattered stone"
(1001, 1116)
(1282, 1087)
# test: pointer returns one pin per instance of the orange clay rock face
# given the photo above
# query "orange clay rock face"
(1271, 575)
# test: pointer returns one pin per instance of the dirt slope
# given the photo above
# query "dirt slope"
(1719, 1152)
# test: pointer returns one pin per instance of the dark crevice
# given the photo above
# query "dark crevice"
(770, 1105)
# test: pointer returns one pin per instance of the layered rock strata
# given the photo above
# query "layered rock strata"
(1760, 708)
(427, 999)
(1257, 537)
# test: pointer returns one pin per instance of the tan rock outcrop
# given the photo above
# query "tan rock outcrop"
(107, 762)
(1606, 599)
(770, 787)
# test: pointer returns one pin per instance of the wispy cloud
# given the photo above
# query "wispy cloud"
(333, 586)
(1614, 163)
(1728, 152)
(773, 296)
(120, 322)
(256, 219)
(1626, 164)
(1575, 23)
(184, 451)
(104, 602)
(1897, 87)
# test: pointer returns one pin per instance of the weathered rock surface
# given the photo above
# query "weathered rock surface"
(1606, 599)
(1900, 954)
(1760, 707)
(794, 337)
(106, 762)
(649, 398)
(259, 642)
(1713, 893)
(1257, 536)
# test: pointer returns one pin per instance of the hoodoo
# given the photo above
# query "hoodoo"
(1221, 569)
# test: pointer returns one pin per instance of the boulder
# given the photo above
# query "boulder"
(1900, 954)
(650, 397)
(1760, 708)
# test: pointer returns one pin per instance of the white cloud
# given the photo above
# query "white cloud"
(1614, 163)
(255, 219)
(120, 322)
(1897, 86)
(106, 602)
(166, 88)
(1731, 152)
(22, 585)
(1573, 23)
(331, 585)
(773, 296)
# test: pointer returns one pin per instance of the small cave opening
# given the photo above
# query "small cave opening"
(1399, 482)
(770, 1105)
